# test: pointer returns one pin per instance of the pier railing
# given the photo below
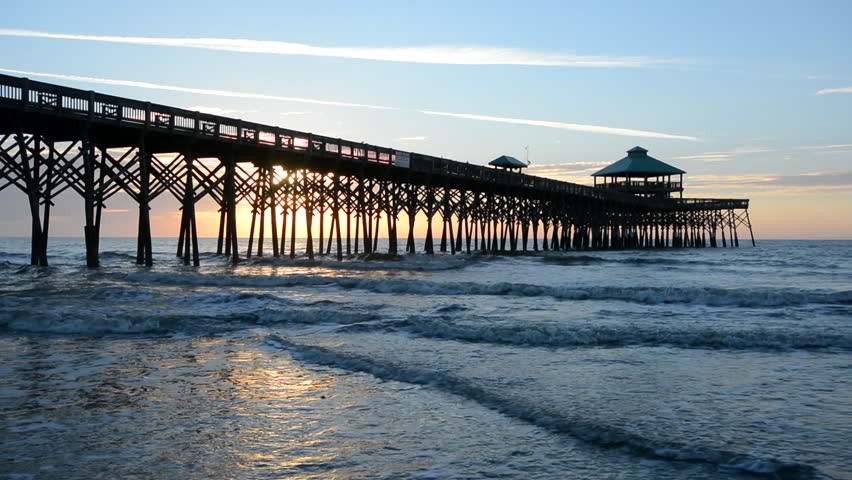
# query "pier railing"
(712, 203)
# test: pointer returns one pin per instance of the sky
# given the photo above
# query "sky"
(753, 99)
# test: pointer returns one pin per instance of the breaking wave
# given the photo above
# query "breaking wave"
(484, 330)
(567, 259)
(375, 262)
(574, 425)
(74, 321)
(710, 296)
(572, 259)
(115, 255)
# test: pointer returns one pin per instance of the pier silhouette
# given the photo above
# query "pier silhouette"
(56, 140)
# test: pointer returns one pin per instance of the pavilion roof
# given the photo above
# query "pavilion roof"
(638, 163)
(507, 162)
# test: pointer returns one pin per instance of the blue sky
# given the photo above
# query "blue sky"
(727, 90)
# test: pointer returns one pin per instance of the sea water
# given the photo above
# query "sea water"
(643, 364)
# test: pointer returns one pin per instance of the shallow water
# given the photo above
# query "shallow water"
(701, 363)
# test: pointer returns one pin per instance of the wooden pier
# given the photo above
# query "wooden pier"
(57, 140)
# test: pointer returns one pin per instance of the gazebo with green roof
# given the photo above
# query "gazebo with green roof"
(640, 174)
(507, 162)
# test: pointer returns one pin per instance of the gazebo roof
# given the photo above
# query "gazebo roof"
(506, 161)
(637, 162)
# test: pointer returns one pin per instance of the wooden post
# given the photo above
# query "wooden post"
(293, 205)
(750, 232)
(261, 205)
(320, 186)
(735, 241)
(412, 204)
(144, 255)
(348, 216)
(254, 206)
(460, 213)
(337, 216)
(190, 232)
(273, 215)
(309, 216)
(30, 170)
(231, 206)
(285, 185)
(220, 238)
(429, 246)
(91, 229)
(48, 202)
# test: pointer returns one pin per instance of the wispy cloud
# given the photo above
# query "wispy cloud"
(200, 91)
(824, 147)
(575, 172)
(260, 96)
(835, 90)
(565, 126)
(727, 155)
(771, 184)
(740, 151)
(218, 111)
(297, 112)
(561, 170)
(412, 139)
(448, 55)
(807, 179)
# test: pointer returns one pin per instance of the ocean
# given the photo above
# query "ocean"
(641, 364)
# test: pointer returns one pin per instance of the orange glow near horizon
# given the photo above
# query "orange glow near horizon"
(812, 216)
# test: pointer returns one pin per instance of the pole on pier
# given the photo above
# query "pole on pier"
(144, 254)
(445, 207)
(348, 210)
(47, 201)
(255, 205)
(736, 240)
(261, 204)
(319, 185)
(30, 167)
(283, 188)
(91, 229)
(294, 207)
(188, 238)
(411, 210)
(750, 232)
(429, 246)
(229, 200)
(273, 217)
(309, 215)
(336, 219)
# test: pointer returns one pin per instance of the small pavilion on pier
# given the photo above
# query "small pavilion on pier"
(511, 164)
(641, 174)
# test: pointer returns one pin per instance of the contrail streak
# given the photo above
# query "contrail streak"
(447, 55)
(469, 116)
